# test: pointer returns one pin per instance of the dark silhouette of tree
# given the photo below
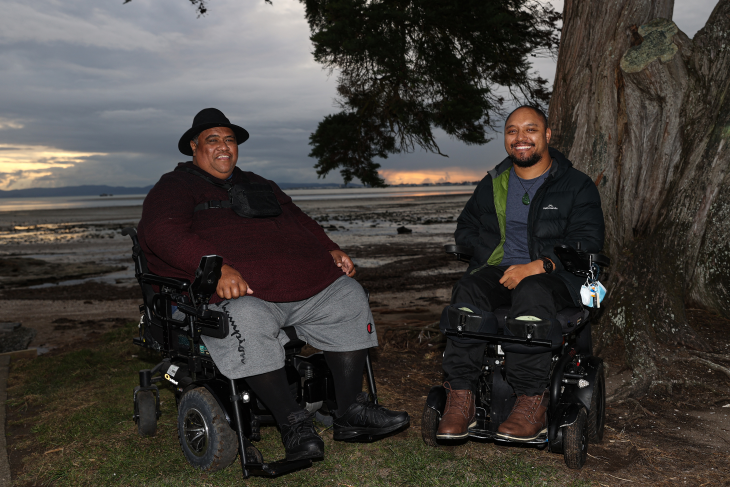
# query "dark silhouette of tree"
(405, 67)
(645, 111)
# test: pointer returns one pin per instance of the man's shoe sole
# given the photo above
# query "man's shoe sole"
(507, 436)
(451, 436)
(348, 434)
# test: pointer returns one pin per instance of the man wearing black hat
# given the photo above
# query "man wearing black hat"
(280, 269)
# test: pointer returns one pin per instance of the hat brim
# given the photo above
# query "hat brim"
(184, 144)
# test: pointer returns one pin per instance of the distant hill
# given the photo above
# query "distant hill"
(87, 190)
(96, 190)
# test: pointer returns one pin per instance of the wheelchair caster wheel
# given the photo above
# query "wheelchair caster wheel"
(207, 441)
(429, 426)
(597, 416)
(575, 441)
(147, 411)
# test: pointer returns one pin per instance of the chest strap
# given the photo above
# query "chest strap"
(212, 204)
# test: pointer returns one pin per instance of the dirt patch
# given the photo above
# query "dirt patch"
(682, 438)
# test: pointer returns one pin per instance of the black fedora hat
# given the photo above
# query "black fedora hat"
(207, 119)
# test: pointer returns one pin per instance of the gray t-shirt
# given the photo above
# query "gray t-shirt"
(515, 243)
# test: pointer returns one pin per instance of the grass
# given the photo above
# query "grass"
(78, 407)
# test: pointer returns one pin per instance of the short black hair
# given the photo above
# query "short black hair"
(535, 109)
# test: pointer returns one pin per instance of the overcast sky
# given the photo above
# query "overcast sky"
(97, 92)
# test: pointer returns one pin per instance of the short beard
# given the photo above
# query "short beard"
(529, 162)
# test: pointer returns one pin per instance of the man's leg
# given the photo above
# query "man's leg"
(338, 321)
(462, 363)
(541, 296)
(253, 350)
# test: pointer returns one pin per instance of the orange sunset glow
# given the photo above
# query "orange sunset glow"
(447, 175)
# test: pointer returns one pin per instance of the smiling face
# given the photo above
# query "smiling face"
(526, 138)
(216, 152)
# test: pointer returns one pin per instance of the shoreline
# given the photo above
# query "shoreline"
(134, 213)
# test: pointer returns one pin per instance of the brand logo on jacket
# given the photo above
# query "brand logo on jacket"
(549, 207)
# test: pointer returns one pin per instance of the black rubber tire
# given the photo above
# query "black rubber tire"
(597, 415)
(429, 426)
(147, 410)
(575, 441)
(206, 439)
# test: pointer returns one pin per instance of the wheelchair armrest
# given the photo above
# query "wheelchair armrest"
(579, 262)
(206, 277)
(178, 284)
(460, 252)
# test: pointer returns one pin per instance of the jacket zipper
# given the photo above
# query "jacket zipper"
(531, 213)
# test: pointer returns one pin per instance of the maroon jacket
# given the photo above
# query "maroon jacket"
(285, 258)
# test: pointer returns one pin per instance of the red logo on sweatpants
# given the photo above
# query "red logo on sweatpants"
(370, 327)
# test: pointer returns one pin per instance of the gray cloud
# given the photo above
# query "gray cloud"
(126, 80)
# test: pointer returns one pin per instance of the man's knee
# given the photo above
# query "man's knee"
(347, 291)
(531, 286)
(464, 290)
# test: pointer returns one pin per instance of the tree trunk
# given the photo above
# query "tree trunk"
(645, 111)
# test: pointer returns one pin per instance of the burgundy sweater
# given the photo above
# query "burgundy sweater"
(285, 258)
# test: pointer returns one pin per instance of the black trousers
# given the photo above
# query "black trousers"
(542, 295)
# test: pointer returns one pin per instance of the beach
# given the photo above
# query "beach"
(68, 272)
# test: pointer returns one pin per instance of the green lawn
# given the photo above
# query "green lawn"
(80, 404)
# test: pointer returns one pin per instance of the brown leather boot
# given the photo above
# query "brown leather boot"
(527, 420)
(458, 416)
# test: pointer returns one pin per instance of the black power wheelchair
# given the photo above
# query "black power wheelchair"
(218, 417)
(577, 407)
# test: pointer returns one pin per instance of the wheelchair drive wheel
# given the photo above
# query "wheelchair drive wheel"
(429, 425)
(207, 441)
(597, 416)
(575, 441)
(147, 411)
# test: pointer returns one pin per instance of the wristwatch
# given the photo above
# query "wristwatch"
(547, 264)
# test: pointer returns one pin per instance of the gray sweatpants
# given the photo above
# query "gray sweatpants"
(337, 319)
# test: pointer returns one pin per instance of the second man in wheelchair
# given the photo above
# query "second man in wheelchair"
(280, 269)
(529, 203)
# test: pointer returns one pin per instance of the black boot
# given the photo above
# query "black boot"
(300, 438)
(366, 419)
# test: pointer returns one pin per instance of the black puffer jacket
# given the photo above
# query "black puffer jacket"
(565, 210)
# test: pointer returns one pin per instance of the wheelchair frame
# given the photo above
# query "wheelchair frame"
(187, 365)
(576, 412)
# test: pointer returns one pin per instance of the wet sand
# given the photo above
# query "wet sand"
(73, 265)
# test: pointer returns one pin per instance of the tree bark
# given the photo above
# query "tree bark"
(645, 111)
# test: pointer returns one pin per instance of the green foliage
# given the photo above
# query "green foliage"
(407, 66)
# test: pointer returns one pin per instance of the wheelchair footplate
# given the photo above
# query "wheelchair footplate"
(274, 469)
(484, 430)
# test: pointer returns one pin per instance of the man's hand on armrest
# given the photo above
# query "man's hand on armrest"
(515, 273)
(231, 285)
(344, 262)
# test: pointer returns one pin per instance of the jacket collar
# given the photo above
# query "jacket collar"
(558, 169)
